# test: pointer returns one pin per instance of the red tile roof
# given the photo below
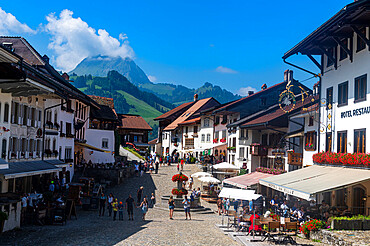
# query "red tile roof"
(131, 121)
(192, 121)
(188, 113)
(152, 142)
(103, 101)
(174, 111)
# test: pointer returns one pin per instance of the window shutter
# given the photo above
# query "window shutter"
(314, 140)
(305, 140)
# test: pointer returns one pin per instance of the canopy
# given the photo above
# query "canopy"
(225, 166)
(305, 183)
(246, 180)
(201, 174)
(239, 194)
(210, 180)
(28, 168)
(92, 147)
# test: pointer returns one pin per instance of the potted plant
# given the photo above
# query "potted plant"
(310, 226)
(3, 217)
(215, 140)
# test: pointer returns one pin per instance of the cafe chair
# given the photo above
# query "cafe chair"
(291, 229)
(273, 229)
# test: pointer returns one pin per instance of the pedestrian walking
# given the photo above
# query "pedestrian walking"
(152, 200)
(139, 194)
(186, 203)
(144, 207)
(137, 169)
(120, 211)
(110, 201)
(182, 164)
(141, 168)
(156, 167)
(171, 206)
(219, 205)
(115, 208)
(102, 202)
(151, 168)
(178, 167)
(130, 207)
(191, 181)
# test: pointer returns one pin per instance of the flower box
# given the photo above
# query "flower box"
(223, 140)
(215, 140)
(179, 177)
(346, 159)
(274, 171)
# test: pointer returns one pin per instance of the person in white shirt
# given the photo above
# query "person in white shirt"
(186, 203)
(284, 207)
(24, 200)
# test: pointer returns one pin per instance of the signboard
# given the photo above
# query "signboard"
(355, 112)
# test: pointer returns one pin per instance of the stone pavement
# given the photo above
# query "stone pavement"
(90, 229)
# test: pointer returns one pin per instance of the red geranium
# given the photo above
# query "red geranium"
(179, 192)
(179, 177)
(342, 158)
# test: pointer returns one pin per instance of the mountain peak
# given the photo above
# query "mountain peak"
(100, 65)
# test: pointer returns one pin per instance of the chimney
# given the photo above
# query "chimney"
(250, 93)
(65, 76)
(195, 97)
(8, 46)
(46, 59)
(288, 75)
(263, 87)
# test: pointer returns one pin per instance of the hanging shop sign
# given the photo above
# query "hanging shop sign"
(287, 99)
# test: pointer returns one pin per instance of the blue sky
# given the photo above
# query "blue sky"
(233, 44)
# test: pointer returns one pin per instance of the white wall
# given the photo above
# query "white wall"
(14, 216)
(95, 137)
(5, 98)
(346, 71)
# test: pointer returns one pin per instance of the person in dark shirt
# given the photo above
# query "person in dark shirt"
(139, 195)
(130, 207)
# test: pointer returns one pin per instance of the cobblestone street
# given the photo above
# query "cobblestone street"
(90, 229)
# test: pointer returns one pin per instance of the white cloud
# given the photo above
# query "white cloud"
(244, 90)
(10, 25)
(222, 69)
(72, 40)
(152, 78)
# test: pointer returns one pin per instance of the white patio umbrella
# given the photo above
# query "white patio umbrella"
(210, 180)
(201, 174)
(225, 166)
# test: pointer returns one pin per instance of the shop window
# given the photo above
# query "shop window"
(342, 142)
(343, 94)
(360, 88)
(310, 141)
(104, 143)
(328, 142)
(360, 141)
(329, 98)
(342, 53)
(6, 112)
(361, 43)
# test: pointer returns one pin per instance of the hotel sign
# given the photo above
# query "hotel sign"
(355, 112)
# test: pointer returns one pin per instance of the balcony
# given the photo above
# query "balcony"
(295, 158)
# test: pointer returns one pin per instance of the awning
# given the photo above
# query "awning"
(305, 183)
(225, 166)
(246, 180)
(294, 134)
(57, 163)
(91, 147)
(239, 194)
(28, 168)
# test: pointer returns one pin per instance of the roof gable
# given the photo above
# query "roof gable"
(132, 121)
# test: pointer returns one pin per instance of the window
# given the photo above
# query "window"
(243, 133)
(241, 152)
(343, 94)
(68, 128)
(217, 120)
(217, 134)
(56, 116)
(224, 134)
(203, 138)
(224, 119)
(186, 130)
(33, 117)
(342, 142)
(264, 139)
(6, 112)
(61, 127)
(15, 115)
(332, 52)
(310, 141)
(342, 53)
(234, 142)
(3, 149)
(60, 152)
(206, 123)
(328, 141)
(360, 43)
(208, 138)
(68, 154)
(25, 115)
(360, 88)
(135, 138)
(329, 98)
(310, 121)
(195, 129)
(189, 142)
(104, 143)
(360, 141)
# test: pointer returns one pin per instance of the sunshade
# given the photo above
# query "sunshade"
(92, 147)
(246, 180)
(210, 180)
(225, 166)
(305, 183)
(239, 194)
(201, 174)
